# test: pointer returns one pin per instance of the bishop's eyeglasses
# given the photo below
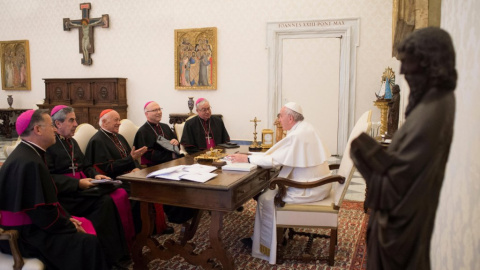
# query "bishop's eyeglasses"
(156, 110)
(205, 109)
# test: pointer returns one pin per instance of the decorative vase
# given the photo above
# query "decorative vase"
(10, 101)
(190, 105)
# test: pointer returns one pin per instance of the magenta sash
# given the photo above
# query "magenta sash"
(86, 225)
(12, 219)
(146, 161)
(120, 198)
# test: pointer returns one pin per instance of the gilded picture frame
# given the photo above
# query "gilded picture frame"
(15, 65)
(196, 59)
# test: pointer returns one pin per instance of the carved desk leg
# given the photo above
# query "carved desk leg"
(216, 243)
(144, 238)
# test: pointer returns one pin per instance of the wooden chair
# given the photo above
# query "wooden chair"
(16, 261)
(321, 214)
(128, 130)
(83, 133)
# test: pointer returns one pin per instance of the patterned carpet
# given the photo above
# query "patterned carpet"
(350, 254)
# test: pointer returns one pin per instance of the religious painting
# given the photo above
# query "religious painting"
(15, 65)
(196, 59)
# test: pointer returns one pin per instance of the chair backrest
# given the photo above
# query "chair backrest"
(347, 168)
(83, 133)
(179, 132)
(128, 130)
(8, 149)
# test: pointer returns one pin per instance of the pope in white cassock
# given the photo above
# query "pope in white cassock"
(304, 158)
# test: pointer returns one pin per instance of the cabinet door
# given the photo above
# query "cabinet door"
(105, 93)
(57, 93)
(81, 93)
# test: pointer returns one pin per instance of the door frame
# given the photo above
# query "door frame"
(348, 32)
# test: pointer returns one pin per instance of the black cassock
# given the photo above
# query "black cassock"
(108, 156)
(196, 130)
(27, 188)
(404, 183)
(94, 204)
(147, 136)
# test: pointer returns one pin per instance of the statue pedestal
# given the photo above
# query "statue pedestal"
(383, 106)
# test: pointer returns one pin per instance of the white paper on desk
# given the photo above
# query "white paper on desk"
(196, 172)
(243, 167)
(166, 171)
(199, 168)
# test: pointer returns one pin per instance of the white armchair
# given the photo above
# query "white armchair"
(178, 128)
(128, 130)
(321, 214)
(83, 133)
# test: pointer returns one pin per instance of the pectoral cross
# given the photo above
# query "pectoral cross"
(85, 31)
(73, 168)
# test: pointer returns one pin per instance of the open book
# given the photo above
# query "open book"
(196, 172)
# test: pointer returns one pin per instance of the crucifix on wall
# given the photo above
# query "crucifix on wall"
(85, 32)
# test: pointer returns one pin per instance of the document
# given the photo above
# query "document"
(244, 167)
(196, 172)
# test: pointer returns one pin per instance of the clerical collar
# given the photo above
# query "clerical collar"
(34, 144)
(60, 136)
(153, 124)
(108, 132)
(204, 121)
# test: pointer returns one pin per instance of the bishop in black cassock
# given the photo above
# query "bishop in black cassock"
(29, 204)
(111, 155)
(105, 206)
(147, 136)
(204, 131)
(109, 151)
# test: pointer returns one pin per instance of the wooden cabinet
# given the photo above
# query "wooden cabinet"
(88, 96)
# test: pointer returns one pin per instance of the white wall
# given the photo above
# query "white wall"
(139, 46)
(456, 240)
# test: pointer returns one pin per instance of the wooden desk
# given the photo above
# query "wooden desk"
(7, 126)
(226, 192)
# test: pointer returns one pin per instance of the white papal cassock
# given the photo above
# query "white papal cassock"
(304, 158)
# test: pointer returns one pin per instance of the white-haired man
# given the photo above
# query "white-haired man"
(304, 158)
(109, 151)
(204, 131)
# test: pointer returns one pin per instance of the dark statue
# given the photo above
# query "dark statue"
(393, 111)
(404, 181)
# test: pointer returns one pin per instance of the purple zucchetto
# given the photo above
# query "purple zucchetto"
(199, 100)
(23, 121)
(146, 104)
(57, 108)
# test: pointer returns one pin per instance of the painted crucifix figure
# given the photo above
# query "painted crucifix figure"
(85, 32)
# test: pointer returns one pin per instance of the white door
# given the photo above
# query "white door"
(310, 77)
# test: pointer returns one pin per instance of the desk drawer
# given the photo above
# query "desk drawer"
(251, 187)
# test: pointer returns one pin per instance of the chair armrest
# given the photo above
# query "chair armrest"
(12, 237)
(283, 183)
